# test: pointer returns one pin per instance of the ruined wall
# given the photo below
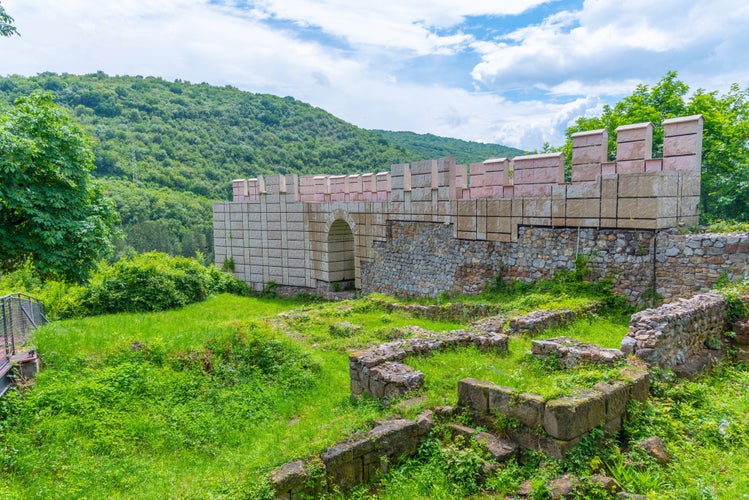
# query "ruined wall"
(668, 336)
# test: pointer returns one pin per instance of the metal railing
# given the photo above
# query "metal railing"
(20, 314)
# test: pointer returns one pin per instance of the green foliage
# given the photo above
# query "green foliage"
(426, 146)
(50, 210)
(725, 152)
(197, 137)
(147, 282)
(161, 219)
(6, 24)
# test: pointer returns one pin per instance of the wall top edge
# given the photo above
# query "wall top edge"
(588, 132)
(635, 126)
(540, 156)
(494, 160)
(683, 119)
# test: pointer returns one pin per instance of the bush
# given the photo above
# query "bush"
(153, 282)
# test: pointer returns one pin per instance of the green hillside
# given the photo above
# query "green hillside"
(164, 150)
(427, 146)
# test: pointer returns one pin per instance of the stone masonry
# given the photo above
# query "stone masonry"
(314, 233)
(553, 426)
(670, 335)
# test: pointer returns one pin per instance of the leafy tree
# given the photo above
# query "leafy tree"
(50, 210)
(6, 24)
(725, 152)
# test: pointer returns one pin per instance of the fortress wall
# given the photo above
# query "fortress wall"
(434, 226)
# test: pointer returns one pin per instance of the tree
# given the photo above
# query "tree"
(725, 151)
(6, 24)
(50, 210)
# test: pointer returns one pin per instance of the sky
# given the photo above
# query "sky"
(514, 72)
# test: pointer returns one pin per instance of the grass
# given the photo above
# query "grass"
(516, 368)
(203, 401)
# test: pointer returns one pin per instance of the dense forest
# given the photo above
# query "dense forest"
(165, 150)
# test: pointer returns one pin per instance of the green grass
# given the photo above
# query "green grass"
(516, 368)
(203, 401)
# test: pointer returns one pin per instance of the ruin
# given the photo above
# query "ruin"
(434, 226)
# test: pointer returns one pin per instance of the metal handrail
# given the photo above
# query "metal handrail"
(20, 314)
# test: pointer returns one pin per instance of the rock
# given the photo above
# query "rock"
(630, 496)
(500, 449)
(569, 417)
(563, 486)
(609, 484)
(655, 447)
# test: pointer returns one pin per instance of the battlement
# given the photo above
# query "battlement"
(303, 231)
(532, 176)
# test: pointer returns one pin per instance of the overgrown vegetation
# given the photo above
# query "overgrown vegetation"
(146, 282)
(202, 401)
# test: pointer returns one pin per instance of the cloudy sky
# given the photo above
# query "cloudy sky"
(516, 72)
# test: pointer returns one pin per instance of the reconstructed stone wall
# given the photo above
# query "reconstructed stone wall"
(556, 425)
(352, 462)
(670, 335)
(314, 232)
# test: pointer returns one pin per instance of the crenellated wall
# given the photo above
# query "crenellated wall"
(327, 232)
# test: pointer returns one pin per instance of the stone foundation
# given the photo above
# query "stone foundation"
(351, 462)
(378, 373)
(553, 426)
(572, 353)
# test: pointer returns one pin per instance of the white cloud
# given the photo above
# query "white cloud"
(566, 65)
(610, 40)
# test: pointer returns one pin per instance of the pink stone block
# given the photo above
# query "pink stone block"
(552, 174)
(589, 154)
(589, 172)
(684, 125)
(532, 190)
(508, 191)
(608, 168)
(589, 138)
(630, 167)
(383, 181)
(654, 165)
(633, 150)
(690, 163)
(634, 132)
(458, 176)
(682, 145)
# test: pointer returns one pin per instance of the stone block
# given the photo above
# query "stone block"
(590, 138)
(683, 125)
(499, 449)
(691, 163)
(616, 395)
(638, 208)
(654, 165)
(538, 441)
(640, 380)
(537, 207)
(569, 417)
(583, 208)
(585, 172)
(630, 166)
(498, 208)
(526, 408)
(474, 394)
(584, 190)
(291, 477)
(634, 132)
(651, 184)
(609, 208)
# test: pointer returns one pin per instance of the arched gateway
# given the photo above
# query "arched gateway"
(341, 259)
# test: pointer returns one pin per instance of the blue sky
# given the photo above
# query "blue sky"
(515, 72)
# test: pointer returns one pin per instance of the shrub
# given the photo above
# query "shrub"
(153, 282)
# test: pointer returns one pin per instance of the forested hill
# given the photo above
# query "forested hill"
(198, 137)
(428, 146)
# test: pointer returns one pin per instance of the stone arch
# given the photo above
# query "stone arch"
(341, 251)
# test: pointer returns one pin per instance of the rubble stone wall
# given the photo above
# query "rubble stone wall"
(670, 335)
(422, 259)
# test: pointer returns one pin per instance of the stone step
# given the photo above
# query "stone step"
(499, 448)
